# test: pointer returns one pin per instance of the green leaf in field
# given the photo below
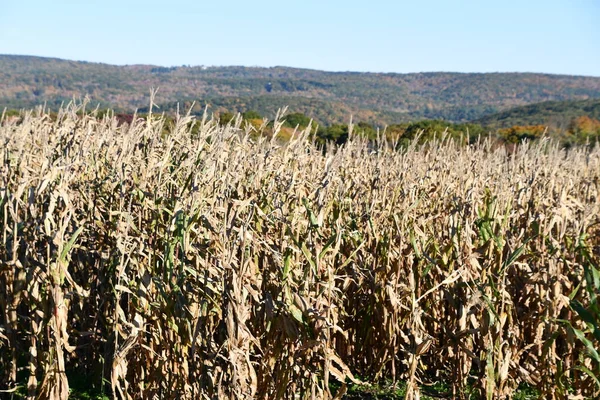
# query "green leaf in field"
(514, 256)
(592, 277)
(413, 242)
(65, 251)
(587, 317)
(587, 343)
(588, 372)
(308, 256)
(328, 244)
(490, 379)
(314, 222)
(574, 292)
(286, 264)
(485, 229)
(296, 313)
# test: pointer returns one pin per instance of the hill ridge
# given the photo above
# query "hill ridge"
(329, 96)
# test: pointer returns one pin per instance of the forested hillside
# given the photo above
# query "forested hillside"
(329, 97)
(556, 114)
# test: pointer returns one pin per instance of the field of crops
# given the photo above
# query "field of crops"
(206, 261)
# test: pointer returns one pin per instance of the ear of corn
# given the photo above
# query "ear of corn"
(211, 262)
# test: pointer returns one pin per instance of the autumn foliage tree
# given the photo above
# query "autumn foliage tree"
(585, 126)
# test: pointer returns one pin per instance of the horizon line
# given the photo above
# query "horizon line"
(292, 67)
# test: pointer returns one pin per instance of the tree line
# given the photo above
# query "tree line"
(579, 131)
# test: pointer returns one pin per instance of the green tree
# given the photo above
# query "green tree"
(251, 114)
(225, 118)
(337, 133)
(296, 119)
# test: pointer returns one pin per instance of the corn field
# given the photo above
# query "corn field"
(202, 261)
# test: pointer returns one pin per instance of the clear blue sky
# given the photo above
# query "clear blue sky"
(369, 35)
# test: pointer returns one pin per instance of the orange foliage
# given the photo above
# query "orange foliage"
(585, 125)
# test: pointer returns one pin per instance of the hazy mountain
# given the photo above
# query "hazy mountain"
(382, 98)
